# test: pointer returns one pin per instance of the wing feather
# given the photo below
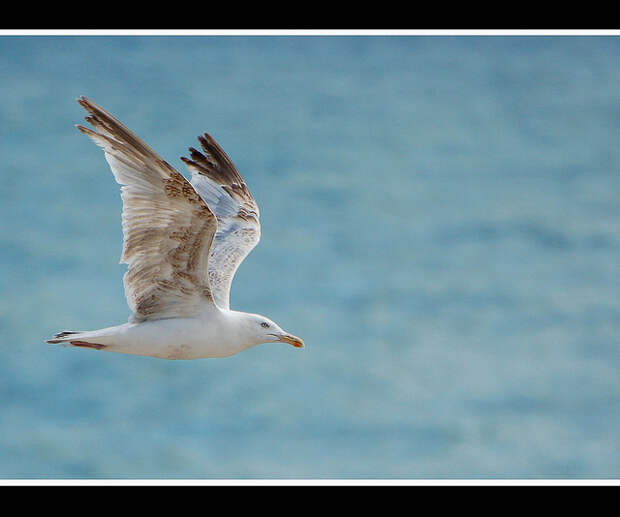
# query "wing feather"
(218, 182)
(167, 227)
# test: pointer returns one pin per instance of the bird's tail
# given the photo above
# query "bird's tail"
(65, 336)
(77, 338)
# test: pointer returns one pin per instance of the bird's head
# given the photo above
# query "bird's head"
(264, 330)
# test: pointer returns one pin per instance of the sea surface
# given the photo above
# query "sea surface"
(441, 225)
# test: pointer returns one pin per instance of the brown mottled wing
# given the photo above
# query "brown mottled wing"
(219, 183)
(167, 227)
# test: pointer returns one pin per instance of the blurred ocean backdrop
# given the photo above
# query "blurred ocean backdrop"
(441, 224)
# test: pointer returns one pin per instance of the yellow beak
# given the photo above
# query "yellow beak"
(290, 339)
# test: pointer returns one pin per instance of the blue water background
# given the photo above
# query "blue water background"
(441, 224)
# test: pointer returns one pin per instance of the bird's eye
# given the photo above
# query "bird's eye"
(265, 325)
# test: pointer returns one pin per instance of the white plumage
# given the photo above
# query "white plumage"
(183, 243)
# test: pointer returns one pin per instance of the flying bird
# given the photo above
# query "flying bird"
(183, 242)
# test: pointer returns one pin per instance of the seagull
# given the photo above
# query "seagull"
(183, 242)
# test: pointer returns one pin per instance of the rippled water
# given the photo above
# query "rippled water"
(441, 224)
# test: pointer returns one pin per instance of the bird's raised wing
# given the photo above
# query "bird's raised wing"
(218, 182)
(167, 227)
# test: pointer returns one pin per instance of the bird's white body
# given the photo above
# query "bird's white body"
(183, 242)
(212, 333)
